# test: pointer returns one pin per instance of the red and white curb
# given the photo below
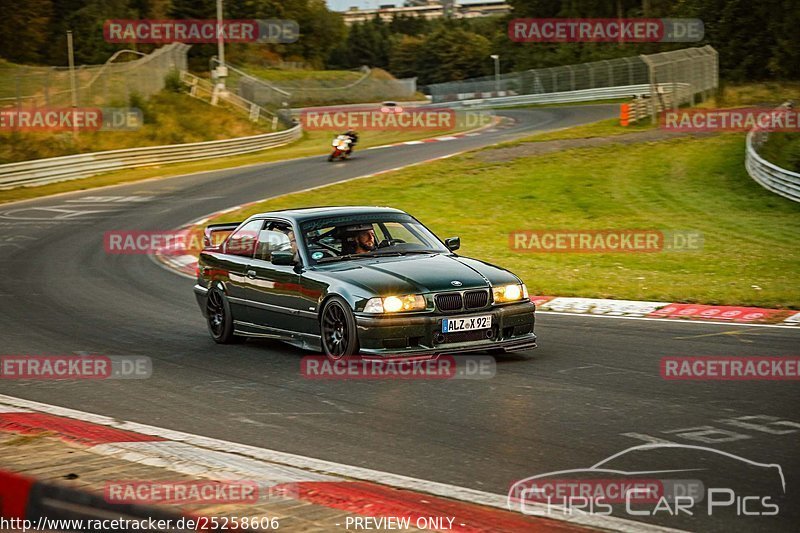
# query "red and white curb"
(724, 314)
(353, 489)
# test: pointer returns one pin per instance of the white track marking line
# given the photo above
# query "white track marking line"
(327, 467)
(673, 320)
(191, 460)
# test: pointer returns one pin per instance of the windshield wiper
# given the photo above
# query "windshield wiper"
(398, 252)
(373, 254)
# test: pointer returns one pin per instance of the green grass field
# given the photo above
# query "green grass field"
(750, 254)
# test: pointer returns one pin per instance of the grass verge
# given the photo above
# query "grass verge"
(749, 257)
(169, 118)
(782, 149)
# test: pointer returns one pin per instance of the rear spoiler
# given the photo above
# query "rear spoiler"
(211, 229)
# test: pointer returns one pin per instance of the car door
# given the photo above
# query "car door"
(274, 290)
(238, 253)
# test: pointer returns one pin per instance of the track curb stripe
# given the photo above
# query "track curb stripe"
(370, 499)
(411, 494)
(68, 429)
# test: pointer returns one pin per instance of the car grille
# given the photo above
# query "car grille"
(449, 302)
(476, 299)
(465, 336)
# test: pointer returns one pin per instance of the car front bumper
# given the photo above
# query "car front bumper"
(512, 330)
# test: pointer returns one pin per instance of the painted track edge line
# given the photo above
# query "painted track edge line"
(320, 465)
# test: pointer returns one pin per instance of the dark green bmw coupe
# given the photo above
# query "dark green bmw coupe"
(350, 280)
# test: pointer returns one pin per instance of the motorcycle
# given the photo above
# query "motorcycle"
(342, 147)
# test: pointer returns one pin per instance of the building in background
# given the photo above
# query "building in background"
(429, 9)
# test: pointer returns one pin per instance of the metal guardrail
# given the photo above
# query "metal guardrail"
(769, 175)
(44, 171)
(584, 95)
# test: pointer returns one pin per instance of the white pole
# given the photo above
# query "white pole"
(222, 72)
(496, 73)
(73, 85)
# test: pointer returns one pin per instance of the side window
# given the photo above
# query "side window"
(243, 241)
(277, 236)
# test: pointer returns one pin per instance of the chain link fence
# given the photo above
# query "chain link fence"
(691, 71)
(110, 84)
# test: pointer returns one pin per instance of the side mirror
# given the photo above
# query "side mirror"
(453, 243)
(282, 258)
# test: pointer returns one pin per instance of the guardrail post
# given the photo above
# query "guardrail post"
(651, 74)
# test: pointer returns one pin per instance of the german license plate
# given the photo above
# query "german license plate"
(451, 325)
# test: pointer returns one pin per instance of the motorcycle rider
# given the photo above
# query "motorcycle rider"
(353, 139)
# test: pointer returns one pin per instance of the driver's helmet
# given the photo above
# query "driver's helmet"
(350, 132)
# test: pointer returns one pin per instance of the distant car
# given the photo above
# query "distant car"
(294, 275)
(391, 107)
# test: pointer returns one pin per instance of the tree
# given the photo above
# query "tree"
(24, 30)
(454, 54)
(406, 54)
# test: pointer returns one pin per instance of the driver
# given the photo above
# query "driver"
(365, 241)
(358, 239)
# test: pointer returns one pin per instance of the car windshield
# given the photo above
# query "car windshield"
(346, 238)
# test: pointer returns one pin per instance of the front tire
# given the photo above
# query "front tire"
(338, 329)
(220, 319)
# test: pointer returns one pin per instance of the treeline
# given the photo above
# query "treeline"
(755, 40)
(34, 31)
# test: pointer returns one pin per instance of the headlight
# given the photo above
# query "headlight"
(395, 304)
(510, 293)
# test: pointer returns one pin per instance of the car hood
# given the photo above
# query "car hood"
(414, 274)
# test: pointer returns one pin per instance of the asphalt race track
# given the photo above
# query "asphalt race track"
(590, 390)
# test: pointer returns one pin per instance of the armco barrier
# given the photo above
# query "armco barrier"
(43, 171)
(769, 175)
(585, 95)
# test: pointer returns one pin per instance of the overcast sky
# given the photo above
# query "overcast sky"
(343, 5)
